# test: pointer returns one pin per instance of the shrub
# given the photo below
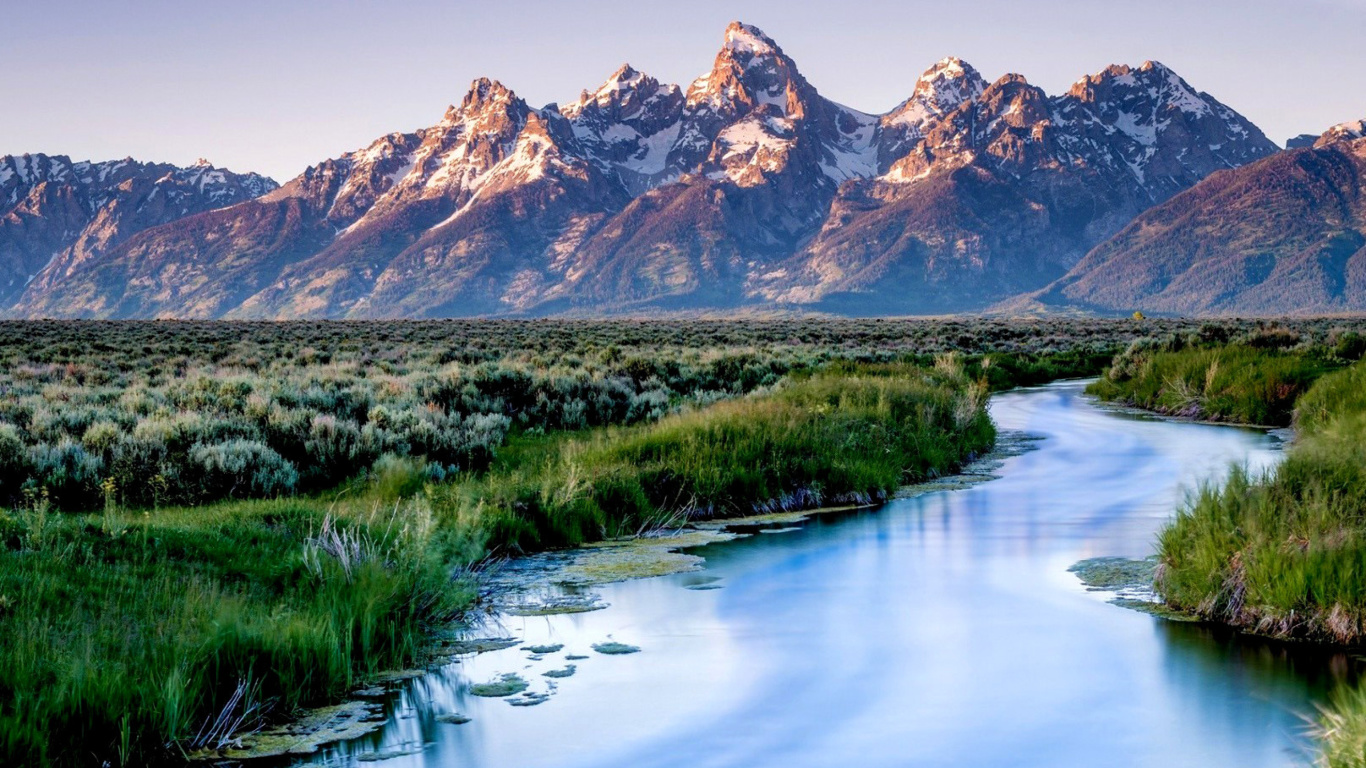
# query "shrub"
(69, 473)
(242, 468)
(14, 464)
(1350, 346)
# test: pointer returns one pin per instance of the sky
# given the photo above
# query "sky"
(276, 85)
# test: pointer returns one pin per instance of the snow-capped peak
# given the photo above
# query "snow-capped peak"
(749, 40)
(623, 79)
(617, 89)
(943, 87)
(484, 93)
(750, 70)
(1354, 129)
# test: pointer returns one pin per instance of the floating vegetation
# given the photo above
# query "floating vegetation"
(568, 671)
(557, 606)
(541, 650)
(529, 699)
(480, 645)
(574, 657)
(507, 685)
(611, 561)
(615, 649)
(305, 735)
(453, 718)
(1113, 574)
(1131, 581)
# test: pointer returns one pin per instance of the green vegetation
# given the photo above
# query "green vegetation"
(505, 685)
(615, 649)
(1341, 729)
(1256, 379)
(209, 526)
(1281, 555)
(134, 636)
(830, 438)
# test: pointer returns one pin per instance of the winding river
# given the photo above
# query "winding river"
(939, 630)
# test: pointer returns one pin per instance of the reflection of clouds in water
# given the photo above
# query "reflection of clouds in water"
(943, 629)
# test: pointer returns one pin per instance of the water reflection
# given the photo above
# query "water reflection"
(942, 630)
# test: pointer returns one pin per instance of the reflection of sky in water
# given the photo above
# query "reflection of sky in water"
(939, 631)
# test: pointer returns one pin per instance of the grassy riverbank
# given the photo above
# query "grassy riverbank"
(127, 635)
(1256, 380)
(1282, 554)
(849, 436)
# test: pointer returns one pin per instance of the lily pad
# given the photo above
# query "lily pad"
(615, 648)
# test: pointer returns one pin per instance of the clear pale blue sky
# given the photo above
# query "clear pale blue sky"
(274, 86)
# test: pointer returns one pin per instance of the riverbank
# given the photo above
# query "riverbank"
(143, 636)
(892, 633)
(1280, 554)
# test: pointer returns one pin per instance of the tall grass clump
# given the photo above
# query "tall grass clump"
(1283, 554)
(124, 644)
(1254, 381)
(824, 439)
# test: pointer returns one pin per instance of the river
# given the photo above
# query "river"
(939, 630)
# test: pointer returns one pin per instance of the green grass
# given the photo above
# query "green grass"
(1236, 383)
(1285, 554)
(1341, 729)
(831, 438)
(124, 635)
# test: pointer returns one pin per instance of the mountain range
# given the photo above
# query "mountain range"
(746, 188)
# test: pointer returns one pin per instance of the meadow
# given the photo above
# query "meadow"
(208, 526)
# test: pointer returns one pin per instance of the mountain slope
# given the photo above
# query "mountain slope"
(1286, 235)
(56, 214)
(747, 187)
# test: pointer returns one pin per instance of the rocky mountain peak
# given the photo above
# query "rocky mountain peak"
(749, 72)
(488, 106)
(940, 90)
(1152, 83)
(485, 92)
(746, 41)
(950, 80)
(1348, 131)
(624, 94)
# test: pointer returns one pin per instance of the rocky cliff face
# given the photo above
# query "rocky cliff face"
(747, 187)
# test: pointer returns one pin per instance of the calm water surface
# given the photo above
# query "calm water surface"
(943, 630)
